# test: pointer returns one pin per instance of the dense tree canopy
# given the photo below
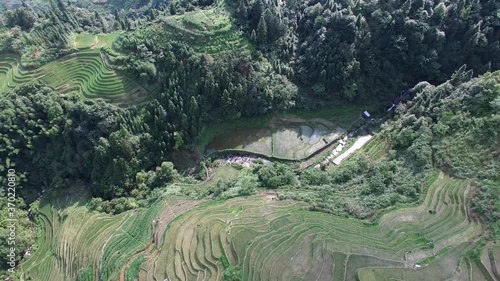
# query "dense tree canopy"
(373, 49)
(294, 55)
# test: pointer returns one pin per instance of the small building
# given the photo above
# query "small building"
(366, 115)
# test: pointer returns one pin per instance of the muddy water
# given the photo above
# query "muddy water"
(257, 140)
(290, 142)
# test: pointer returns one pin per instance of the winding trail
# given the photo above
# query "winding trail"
(132, 258)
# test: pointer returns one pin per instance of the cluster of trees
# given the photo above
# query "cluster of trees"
(454, 127)
(44, 32)
(358, 188)
(370, 50)
(192, 89)
(39, 35)
(52, 141)
(24, 235)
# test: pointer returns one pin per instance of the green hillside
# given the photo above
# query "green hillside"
(209, 31)
(258, 239)
(249, 140)
(76, 244)
(84, 73)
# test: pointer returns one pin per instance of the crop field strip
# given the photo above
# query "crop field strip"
(84, 239)
(206, 30)
(83, 73)
(262, 236)
(449, 266)
(73, 238)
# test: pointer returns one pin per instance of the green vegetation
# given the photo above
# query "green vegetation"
(357, 50)
(207, 31)
(75, 137)
(254, 234)
(76, 243)
(268, 238)
(42, 33)
(66, 228)
(95, 41)
(24, 235)
(83, 73)
(90, 244)
(133, 272)
(134, 235)
(102, 101)
(257, 240)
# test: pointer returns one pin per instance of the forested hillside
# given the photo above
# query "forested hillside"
(454, 127)
(451, 127)
(371, 49)
(115, 97)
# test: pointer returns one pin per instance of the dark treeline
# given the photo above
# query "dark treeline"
(370, 50)
(219, 86)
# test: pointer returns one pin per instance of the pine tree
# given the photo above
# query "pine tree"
(172, 9)
(272, 23)
(119, 19)
(440, 10)
(61, 6)
(262, 31)
(242, 11)
(102, 21)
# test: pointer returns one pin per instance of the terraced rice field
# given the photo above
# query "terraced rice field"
(259, 238)
(281, 240)
(11, 74)
(490, 260)
(291, 141)
(74, 243)
(207, 31)
(84, 73)
(70, 240)
(376, 149)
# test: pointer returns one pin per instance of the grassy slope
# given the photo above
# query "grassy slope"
(70, 239)
(206, 31)
(282, 240)
(261, 239)
(83, 73)
(95, 41)
(73, 240)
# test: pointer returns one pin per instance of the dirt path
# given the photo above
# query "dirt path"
(132, 258)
